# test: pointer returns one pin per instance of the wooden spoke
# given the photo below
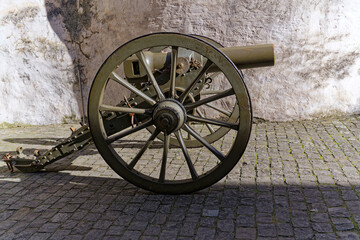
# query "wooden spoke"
(174, 55)
(118, 79)
(222, 94)
(192, 170)
(109, 108)
(210, 92)
(213, 121)
(142, 59)
(218, 154)
(122, 134)
(143, 149)
(211, 129)
(223, 111)
(164, 158)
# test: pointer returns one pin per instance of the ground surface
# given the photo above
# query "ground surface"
(297, 180)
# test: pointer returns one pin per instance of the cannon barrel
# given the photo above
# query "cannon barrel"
(250, 56)
(243, 57)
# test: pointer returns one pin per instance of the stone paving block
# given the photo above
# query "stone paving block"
(18, 227)
(325, 236)
(266, 230)
(284, 229)
(20, 213)
(82, 228)
(322, 227)
(204, 233)
(60, 234)
(172, 226)
(245, 221)
(349, 195)
(60, 217)
(38, 236)
(300, 219)
(353, 206)
(245, 210)
(116, 238)
(320, 217)
(210, 212)
(303, 233)
(264, 206)
(342, 224)
(282, 215)
(25, 234)
(264, 218)
(49, 227)
(154, 230)
(94, 234)
(339, 212)
(69, 224)
(115, 230)
(138, 225)
(225, 225)
(6, 215)
(224, 235)
(192, 218)
(227, 213)
(357, 219)
(208, 222)
(346, 235)
(285, 238)
(131, 235)
(168, 234)
(102, 224)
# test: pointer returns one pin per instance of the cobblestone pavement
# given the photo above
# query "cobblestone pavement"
(296, 180)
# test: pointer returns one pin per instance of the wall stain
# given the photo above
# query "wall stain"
(21, 15)
(74, 19)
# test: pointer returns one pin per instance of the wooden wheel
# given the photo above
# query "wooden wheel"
(159, 166)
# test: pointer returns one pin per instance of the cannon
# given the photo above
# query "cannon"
(168, 112)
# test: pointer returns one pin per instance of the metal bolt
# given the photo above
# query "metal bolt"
(180, 65)
(165, 122)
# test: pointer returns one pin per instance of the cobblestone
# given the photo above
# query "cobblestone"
(296, 180)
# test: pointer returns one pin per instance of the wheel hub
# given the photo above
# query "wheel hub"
(169, 116)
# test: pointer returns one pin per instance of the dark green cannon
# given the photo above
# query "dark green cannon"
(168, 112)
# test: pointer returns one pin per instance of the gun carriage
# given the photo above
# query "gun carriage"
(158, 92)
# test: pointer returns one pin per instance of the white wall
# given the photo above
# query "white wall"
(37, 79)
(316, 44)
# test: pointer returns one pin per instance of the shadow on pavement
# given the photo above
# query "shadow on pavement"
(79, 204)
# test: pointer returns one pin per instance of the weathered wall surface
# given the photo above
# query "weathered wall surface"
(317, 50)
(37, 81)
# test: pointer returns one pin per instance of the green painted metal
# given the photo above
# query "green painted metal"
(78, 140)
(250, 56)
(243, 57)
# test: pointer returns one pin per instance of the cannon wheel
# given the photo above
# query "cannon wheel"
(176, 120)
